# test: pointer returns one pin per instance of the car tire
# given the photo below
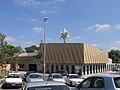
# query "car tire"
(3, 86)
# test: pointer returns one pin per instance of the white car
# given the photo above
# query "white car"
(34, 77)
(12, 80)
(73, 79)
(56, 77)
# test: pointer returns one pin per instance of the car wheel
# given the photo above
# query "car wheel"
(3, 86)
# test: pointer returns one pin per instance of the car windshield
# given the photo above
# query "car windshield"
(35, 76)
(117, 82)
(57, 87)
(74, 76)
(13, 76)
(57, 76)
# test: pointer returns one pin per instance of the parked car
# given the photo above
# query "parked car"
(34, 77)
(12, 80)
(63, 72)
(46, 85)
(27, 74)
(101, 82)
(56, 77)
(73, 79)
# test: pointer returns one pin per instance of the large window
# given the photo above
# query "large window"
(21, 65)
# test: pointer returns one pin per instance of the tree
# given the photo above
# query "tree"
(7, 51)
(2, 43)
(115, 56)
(31, 49)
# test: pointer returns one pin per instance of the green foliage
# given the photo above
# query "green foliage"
(31, 49)
(115, 56)
(7, 51)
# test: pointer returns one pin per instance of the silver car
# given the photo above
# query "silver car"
(56, 77)
(73, 79)
(101, 82)
(46, 85)
(34, 77)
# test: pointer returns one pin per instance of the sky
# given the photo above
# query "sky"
(94, 22)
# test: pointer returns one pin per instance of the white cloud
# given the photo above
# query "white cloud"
(37, 29)
(76, 37)
(46, 12)
(100, 27)
(29, 43)
(37, 3)
(104, 27)
(117, 27)
(49, 39)
(10, 39)
(95, 45)
(22, 36)
(33, 3)
(115, 45)
(114, 48)
(117, 42)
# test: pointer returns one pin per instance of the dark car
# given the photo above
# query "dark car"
(63, 72)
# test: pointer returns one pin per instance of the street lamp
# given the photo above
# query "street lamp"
(45, 19)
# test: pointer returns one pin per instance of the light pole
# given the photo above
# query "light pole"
(45, 19)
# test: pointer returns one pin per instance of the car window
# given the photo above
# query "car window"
(93, 83)
(86, 83)
(57, 76)
(56, 87)
(74, 76)
(13, 76)
(35, 76)
(99, 83)
(117, 82)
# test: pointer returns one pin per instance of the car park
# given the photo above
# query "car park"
(56, 77)
(46, 85)
(73, 79)
(12, 80)
(100, 82)
(34, 77)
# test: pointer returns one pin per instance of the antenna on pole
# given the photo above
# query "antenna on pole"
(64, 35)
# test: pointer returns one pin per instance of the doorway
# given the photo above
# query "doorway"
(32, 67)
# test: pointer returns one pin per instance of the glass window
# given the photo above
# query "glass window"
(95, 82)
(117, 82)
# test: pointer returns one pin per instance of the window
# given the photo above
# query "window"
(94, 82)
(117, 82)
(21, 65)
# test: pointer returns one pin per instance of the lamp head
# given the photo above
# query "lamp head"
(45, 18)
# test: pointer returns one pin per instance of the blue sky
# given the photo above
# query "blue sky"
(95, 22)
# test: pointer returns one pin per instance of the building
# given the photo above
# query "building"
(74, 57)
(27, 61)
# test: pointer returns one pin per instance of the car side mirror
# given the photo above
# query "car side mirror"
(79, 86)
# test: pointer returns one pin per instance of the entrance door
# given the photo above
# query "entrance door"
(32, 67)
